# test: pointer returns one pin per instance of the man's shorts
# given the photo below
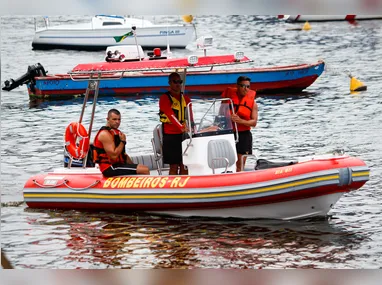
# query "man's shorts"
(244, 145)
(172, 148)
(120, 169)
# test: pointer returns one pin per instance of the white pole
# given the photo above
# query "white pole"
(168, 42)
(136, 43)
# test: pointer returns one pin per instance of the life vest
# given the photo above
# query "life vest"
(242, 107)
(99, 154)
(179, 109)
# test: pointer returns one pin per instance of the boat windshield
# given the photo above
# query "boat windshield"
(204, 118)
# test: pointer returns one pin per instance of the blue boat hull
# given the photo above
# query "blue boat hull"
(286, 79)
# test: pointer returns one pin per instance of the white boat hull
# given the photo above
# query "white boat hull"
(96, 39)
(290, 210)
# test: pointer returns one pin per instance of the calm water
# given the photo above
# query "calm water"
(326, 117)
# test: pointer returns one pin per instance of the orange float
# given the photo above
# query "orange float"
(76, 140)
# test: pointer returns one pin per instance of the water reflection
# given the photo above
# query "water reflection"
(115, 240)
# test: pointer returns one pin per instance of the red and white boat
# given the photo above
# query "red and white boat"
(323, 18)
(147, 79)
(294, 189)
(301, 190)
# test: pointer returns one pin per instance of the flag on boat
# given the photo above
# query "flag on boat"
(121, 38)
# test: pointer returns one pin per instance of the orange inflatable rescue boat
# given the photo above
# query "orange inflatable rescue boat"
(294, 189)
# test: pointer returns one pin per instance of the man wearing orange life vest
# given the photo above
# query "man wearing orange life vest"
(109, 149)
(172, 109)
(246, 113)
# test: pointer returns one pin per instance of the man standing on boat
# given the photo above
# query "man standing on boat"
(172, 109)
(109, 149)
(245, 116)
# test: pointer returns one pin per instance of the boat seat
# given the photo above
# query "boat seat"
(157, 141)
(146, 159)
(220, 155)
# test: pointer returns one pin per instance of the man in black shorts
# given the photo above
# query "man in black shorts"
(109, 149)
(172, 109)
(245, 116)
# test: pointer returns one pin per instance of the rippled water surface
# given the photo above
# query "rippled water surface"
(325, 117)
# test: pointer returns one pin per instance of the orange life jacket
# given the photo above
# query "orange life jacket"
(242, 107)
(99, 154)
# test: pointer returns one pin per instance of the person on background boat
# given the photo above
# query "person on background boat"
(109, 149)
(246, 114)
(172, 109)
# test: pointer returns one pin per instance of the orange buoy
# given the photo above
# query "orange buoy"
(356, 85)
(187, 18)
(306, 26)
(76, 140)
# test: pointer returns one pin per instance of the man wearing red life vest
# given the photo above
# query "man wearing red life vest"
(172, 109)
(109, 149)
(245, 116)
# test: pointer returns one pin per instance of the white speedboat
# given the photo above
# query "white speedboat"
(107, 30)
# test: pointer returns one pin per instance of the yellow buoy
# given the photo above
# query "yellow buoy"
(306, 26)
(187, 18)
(356, 85)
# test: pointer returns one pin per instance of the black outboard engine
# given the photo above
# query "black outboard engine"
(33, 71)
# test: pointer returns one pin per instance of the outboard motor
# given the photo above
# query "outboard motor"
(33, 71)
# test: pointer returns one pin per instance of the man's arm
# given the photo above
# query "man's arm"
(250, 123)
(107, 141)
(128, 159)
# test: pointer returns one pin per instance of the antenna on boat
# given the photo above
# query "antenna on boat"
(168, 41)
(136, 42)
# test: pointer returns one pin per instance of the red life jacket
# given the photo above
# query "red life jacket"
(99, 154)
(243, 107)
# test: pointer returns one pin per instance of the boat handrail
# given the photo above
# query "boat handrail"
(224, 159)
(65, 182)
(82, 188)
(122, 72)
(49, 186)
(90, 77)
